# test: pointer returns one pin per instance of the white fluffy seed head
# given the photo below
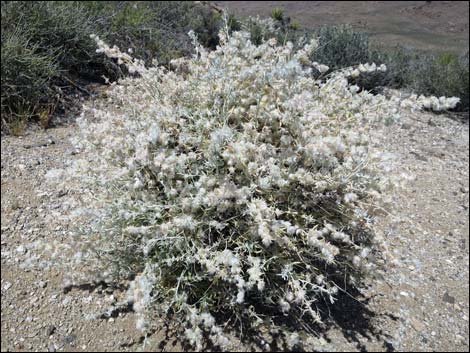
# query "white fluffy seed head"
(209, 182)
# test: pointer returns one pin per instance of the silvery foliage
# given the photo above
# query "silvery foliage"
(233, 182)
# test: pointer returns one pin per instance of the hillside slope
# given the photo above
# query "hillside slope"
(437, 25)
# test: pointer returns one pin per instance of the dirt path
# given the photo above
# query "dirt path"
(421, 304)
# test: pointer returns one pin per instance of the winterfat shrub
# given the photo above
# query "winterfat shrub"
(233, 190)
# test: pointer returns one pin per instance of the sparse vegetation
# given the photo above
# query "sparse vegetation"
(42, 43)
(48, 44)
(277, 14)
(443, 75)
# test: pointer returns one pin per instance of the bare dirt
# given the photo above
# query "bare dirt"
(421, 304)
(433, 25)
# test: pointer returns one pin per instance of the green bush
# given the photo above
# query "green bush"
(57, 29)
(277, 14)
(295, 25)
(444, 75)
(43, 44)
(155, 29)
(341, 46)
(48, 43)
(26, 75)
(424, 73)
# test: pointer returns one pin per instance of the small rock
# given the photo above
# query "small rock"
(21, 249)
(42, 284)
(405, 126)
(130, 342)
(448, 298)
(15, 205)
(421, 158)
(71, 152)
(417, 325)
(50, 330)
(7, 286)
(69, 339)
(51, 348)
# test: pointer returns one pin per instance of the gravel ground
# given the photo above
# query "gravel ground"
(420, 305)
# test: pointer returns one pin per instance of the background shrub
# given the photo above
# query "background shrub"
(48, 43)
(43, 43)
(421, 72)
(277, 14)
(155, 29)
(25, 79)
(341, 46)
(443, 75)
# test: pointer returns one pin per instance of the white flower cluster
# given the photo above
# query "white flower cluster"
(236, 178)
(438, 104)
(413, 101)
(133, 65)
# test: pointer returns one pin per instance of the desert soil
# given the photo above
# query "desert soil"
(436, 26)
(422, 303)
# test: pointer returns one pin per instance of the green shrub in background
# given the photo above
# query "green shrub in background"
(277, 14)
(444, 75)
(155, 29)
(423, 73)
(341, 46)
(43, 45)
(58, 29)
(25, 78)
(295, 25)
(46, 45)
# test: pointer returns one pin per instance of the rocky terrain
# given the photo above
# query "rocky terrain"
(422, 303)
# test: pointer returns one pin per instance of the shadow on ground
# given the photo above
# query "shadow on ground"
(351, 315)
